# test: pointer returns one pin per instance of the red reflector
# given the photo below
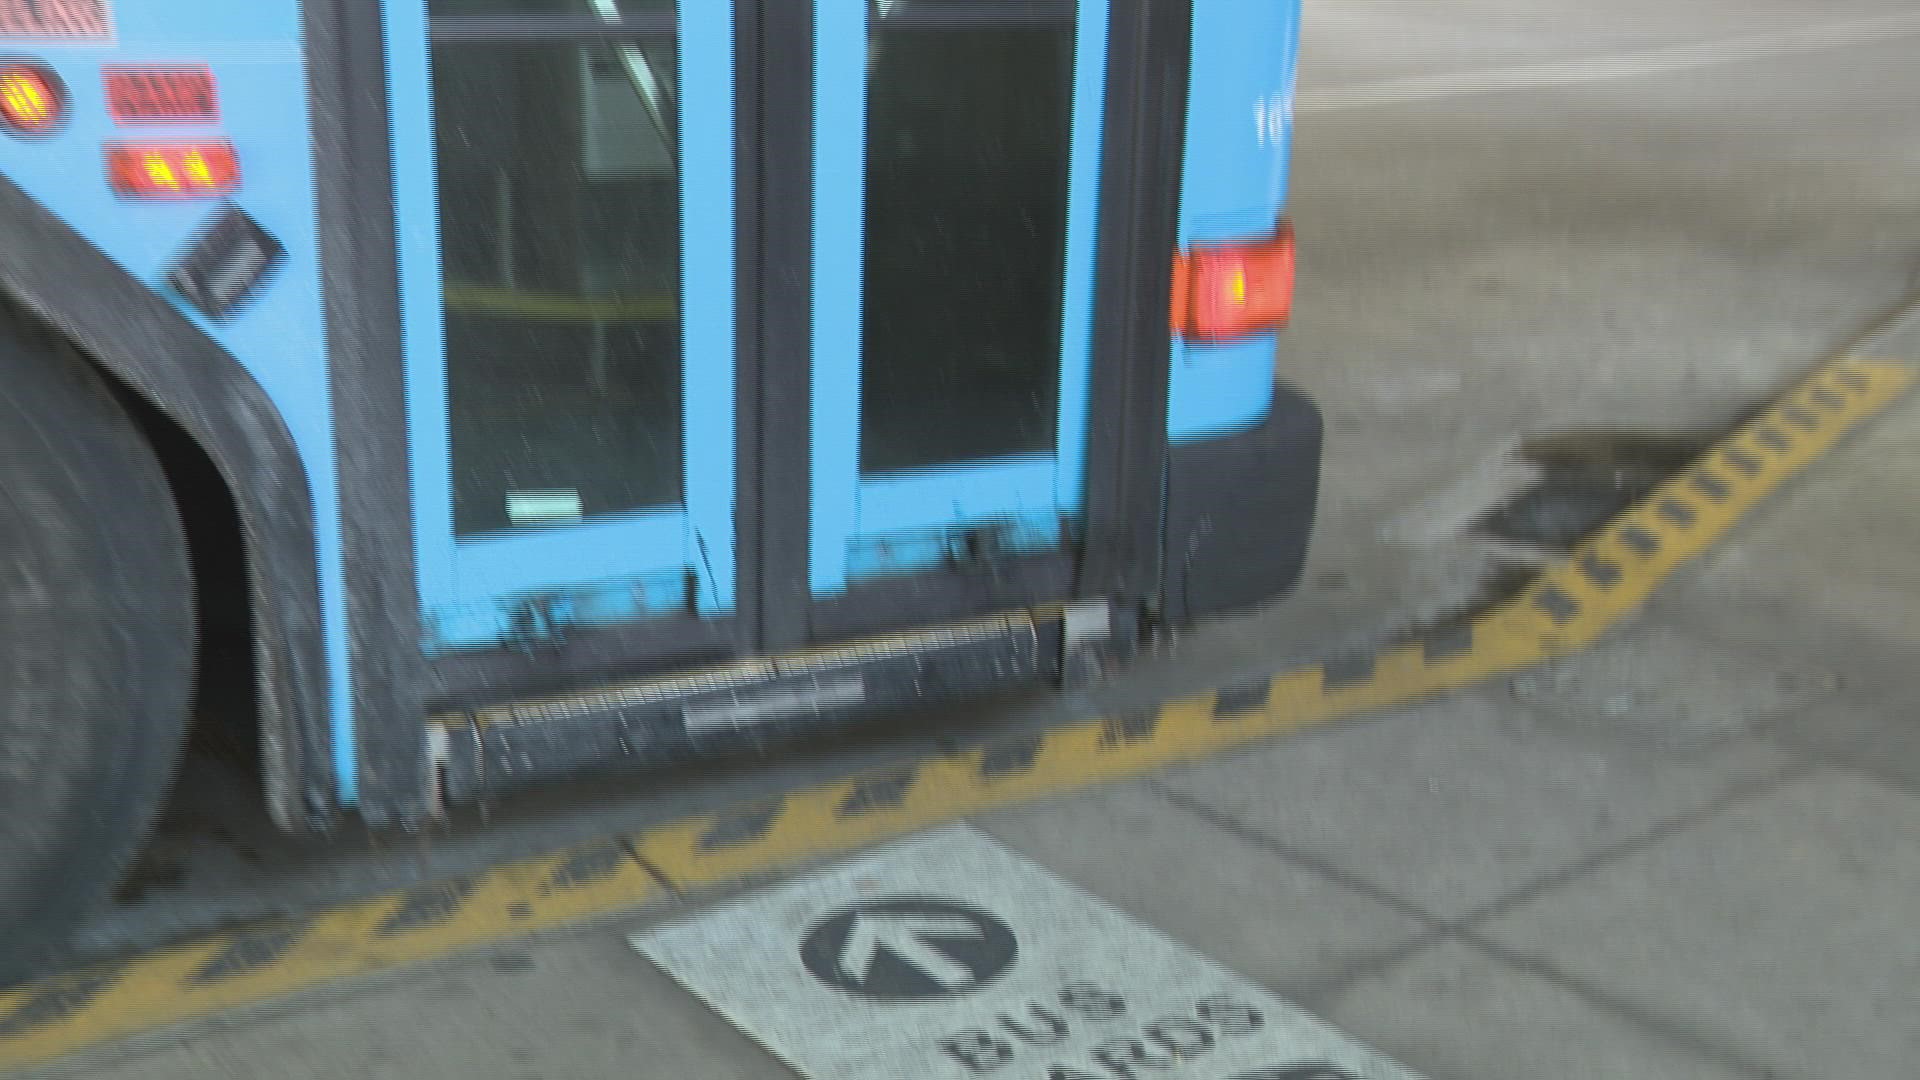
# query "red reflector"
(1224, 293)
(161, 95)
(175, 170)
(33, 100)
(64, 19)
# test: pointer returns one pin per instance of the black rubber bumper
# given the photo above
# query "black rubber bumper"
(1240, 510)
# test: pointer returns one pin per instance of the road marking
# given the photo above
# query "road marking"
(1669, 60)
(1081, 991)
(912, 947)
(910, 940)
(1572, 603)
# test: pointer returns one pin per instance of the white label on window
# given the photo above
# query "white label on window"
(556, 507)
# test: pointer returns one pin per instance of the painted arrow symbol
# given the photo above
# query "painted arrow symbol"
(906, 937)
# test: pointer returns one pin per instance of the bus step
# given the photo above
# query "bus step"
(745, 706)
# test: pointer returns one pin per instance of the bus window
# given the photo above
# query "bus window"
(605, 9)
(560, 232)
(965, 241)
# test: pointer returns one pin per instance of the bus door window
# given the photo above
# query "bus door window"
(561, 260)
(965, 236)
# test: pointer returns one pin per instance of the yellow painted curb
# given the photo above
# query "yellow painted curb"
(1570, 605)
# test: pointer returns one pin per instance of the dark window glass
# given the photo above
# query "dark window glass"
(907, 10)
(967, 145)
(606, 9)
(560, 229)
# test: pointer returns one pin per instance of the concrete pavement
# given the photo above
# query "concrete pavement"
(1689, 851)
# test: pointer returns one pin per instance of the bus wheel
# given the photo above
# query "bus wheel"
(96, 643)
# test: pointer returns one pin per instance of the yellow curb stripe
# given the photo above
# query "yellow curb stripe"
(1571, 604)
(243, 967)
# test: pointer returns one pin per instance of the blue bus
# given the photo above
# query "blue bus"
(487, 392)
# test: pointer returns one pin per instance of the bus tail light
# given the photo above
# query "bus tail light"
(1228, 292)
(33, 101)
(173, 170)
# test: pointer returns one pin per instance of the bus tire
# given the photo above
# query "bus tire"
(96, 643)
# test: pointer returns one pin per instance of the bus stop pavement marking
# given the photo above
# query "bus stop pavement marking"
(949, 957)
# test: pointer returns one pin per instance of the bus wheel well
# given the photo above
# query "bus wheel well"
(225, 717)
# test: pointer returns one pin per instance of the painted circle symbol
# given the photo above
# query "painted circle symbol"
(908, 948)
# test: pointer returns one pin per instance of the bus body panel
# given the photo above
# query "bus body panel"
(253, 50)
(1243, 469)
(1233, 189)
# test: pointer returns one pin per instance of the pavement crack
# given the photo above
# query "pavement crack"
(659, 876)
(1467, 930)
(1555, 879)
(1704, 1045)
(1271, 845)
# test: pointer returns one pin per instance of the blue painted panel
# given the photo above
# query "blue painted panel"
(460, 579)
(508, 563)
(707, 294)
(1083, 219)
(1233, 188)
(253, 49)
(1217, 390)
(1239, 118)
(839, 198)
(930, 498)
(410, 94)
(549, 612)
(900, 552)
(854, 515)
(914, 520)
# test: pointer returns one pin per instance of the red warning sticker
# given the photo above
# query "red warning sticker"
(55, 19)
(161, 95)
